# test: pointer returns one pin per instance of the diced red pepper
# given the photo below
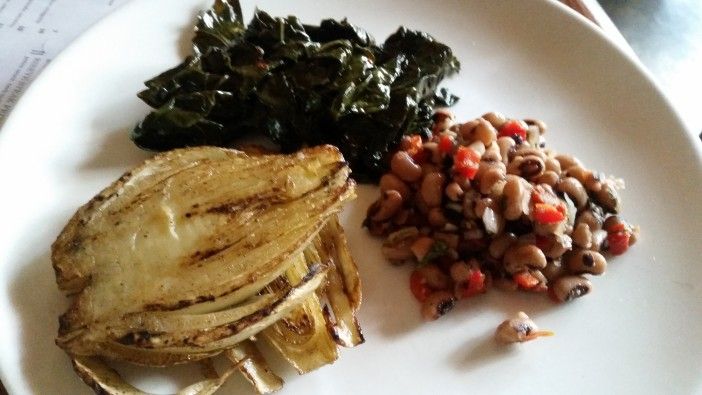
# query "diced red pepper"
(419, 287)
(475, 284)
(618, 227)
(547, 213)
(466, 162)
(536, 197)
(446, 144)
(526, 280)
(618, 242)
(513, 127)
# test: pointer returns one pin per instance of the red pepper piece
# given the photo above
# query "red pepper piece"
(525, 280)
(446, 144)
(466, 162)
(418, 286)
(475, 284)
(618, 242)
(513, 127)
(547, 213)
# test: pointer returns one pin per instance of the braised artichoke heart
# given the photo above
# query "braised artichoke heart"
(197, 250)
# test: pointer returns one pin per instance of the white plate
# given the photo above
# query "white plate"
(639, 332)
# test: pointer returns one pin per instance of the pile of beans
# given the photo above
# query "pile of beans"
(484, 203)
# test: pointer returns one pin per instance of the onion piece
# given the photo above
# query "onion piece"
(254, 367)
(105, 380)
(221, 338)
(301, 335)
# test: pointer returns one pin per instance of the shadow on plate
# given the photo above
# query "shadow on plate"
(38, 303)
(116, 150)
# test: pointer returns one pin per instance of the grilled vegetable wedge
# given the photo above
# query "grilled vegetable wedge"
(196, 251)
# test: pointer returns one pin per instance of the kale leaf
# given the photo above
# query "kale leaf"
(300, 85)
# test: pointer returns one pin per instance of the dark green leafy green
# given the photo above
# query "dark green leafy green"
(299, 85)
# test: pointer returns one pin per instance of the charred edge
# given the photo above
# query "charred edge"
(330, 322)
(139, 339)
(337, 168)
(126, 176)
(244, 322)
(362, 339)
(202, 255)
(181, 304)
(263, 199)
(445, 306)
(89, 380)
(64, 324)
(300, 326)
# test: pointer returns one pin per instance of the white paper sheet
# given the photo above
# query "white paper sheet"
(33, 32)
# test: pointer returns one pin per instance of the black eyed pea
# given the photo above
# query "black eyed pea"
(435, 278)
(520, 257)
(477, 146)
(489, 178)
(484, 132)
(391, 182)
(450, 239)
(433, 149)
(594, 182)
(578, 172)
(608, 198)
(403, 166)
(436, 217)
(548, 177)
(517, 194)
(438, 304)
(492, 154)
(466, 129)
(591, 219)
(462, 181)
(552, 165)
(574, 189)
(390, 203)
(568, 288)
(401, 217)
(531, 166)
(514, 164)
(429, 168)
(454, 191)
(443, 119)
(567, 161)
(540, 125)
(526, 151)
(496, 119)
(590, 180)
(612, 221)
(585, 261)
(432, 189)
(553, 270)
(506, 144)
(460, 271)
(558, 244)
(500, 244)
(582, 237)
(519, 329)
